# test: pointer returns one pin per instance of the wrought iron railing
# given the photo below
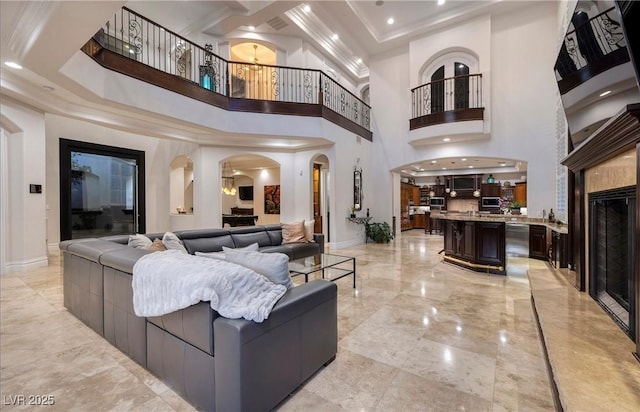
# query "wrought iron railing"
(590, 42)
(275, 83)
(453, 93)
(343, 102)
(136, 37)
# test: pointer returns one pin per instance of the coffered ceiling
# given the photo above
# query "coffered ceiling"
(350, 32)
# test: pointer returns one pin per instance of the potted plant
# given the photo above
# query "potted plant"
(515, 207)
(379, 232)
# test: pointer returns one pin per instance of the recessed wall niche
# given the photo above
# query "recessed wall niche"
(181, 186)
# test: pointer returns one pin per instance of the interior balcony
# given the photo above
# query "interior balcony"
(136, 47)
(450, 109)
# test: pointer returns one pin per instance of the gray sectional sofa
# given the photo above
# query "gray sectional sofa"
(215, 363)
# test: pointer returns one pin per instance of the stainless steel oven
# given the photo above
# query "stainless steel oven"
(437, 202)
(491, 202)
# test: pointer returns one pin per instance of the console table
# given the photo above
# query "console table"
(239, 220)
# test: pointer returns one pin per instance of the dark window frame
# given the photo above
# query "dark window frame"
(66, 147)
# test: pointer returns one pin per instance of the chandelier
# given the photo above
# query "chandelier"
(228, 181)
(254, 59)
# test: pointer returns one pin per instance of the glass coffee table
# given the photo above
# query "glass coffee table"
(333, 267)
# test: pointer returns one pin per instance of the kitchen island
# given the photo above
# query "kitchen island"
(478, 242)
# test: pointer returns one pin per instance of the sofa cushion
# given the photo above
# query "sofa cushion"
(293, 232)
(209, 240)
(243, 237)
(274, 266)
(302, 250)
(275, 234)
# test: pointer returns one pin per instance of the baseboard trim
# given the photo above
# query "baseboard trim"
(26, 265)
(345, 244)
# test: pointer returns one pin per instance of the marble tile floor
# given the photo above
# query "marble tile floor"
(416, 335)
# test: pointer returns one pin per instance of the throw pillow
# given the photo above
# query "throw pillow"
(293, 232)
(220, 255)
(274, 266)
(171, 242)
(139, 241)
(211, 255)
(156, 245)
(308, 229)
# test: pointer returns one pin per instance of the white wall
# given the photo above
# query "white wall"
(24, 231)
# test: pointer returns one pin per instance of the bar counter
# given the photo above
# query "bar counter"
(478, 242)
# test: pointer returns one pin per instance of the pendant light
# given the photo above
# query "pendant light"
(228, 180)
(255, 66)
(453, 192)
(476, 193)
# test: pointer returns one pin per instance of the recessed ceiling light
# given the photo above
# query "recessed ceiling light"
(441, 2)
(434, 162)
(307, 8)
(13, 65)
(358, 60)
(464, 159)
(390, 20)
(470, 166)
(252, 28)
(605, 93)
(335, 37)
(422, 169)
(503, 164)
(444, 168)
(446, 139)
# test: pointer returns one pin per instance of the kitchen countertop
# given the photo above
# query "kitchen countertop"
(508, 219)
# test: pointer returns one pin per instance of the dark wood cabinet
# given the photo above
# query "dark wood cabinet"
(449, 236)
(490, 247)
(469, 244)
(490, 190)
(476, 245)
(538, 242)
(559, 256)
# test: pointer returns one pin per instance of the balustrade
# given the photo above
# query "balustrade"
(136, 37)
(453, 93)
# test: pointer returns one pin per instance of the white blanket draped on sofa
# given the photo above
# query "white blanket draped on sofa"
(164, 282)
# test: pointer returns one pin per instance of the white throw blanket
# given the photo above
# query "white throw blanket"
(164, 282)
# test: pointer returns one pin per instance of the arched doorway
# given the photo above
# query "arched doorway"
(254, 177)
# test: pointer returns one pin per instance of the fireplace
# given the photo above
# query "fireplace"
(612, 247)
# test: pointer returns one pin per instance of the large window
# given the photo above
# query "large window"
(101, 190)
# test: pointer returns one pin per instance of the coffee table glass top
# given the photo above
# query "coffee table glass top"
(332, 267)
